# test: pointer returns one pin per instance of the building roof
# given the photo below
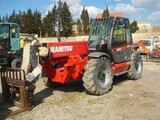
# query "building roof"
(99, 15)
(140, 22)
(117, 14)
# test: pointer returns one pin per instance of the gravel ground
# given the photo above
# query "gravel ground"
(128, 100)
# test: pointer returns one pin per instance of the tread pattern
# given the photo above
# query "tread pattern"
(134, 72)
(90, 77)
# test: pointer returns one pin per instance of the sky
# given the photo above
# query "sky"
(139, 10)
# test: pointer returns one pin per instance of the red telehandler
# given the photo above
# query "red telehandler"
(65, 61)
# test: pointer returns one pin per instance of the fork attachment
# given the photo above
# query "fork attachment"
(16, 89)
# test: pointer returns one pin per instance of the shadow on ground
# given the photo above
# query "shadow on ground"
(120, 79)
(5, 108)
(73, 86)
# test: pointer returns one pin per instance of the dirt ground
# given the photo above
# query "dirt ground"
(128, 100)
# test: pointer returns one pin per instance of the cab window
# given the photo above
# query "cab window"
(121, 35)
(14, 31)
(4, 31)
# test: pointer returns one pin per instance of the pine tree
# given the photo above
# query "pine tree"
(19, 18)
(66, 20)
(6, 18)
(105, 12)
(47, 25)
(58, 20)
(12, 17)
(37, 23)
(0, 19)
(79, 27)
(54, 16)
(22, 23)
(28, 22)
(3, 19)
(85, 20)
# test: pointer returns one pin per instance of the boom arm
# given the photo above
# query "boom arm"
(143, 47)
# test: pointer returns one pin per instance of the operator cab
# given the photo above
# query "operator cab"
(116, 30)
(9, 36)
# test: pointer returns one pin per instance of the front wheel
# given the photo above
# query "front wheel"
(16, 63)
(98, 76)
(136, 66)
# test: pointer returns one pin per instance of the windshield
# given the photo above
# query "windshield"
(100, 29)
(146, 42)
(4, 31)
(4, 36)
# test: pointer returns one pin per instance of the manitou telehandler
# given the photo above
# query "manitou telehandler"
(65, 61)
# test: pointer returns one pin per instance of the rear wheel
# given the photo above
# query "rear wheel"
(136, 66)
(98, 76)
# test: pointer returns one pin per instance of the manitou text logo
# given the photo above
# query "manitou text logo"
(56, 49)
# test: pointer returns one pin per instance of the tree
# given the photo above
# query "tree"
(3, 19)
(105, 12)
(47, 25)
(134, 27)
(79, 26)
(22, 22)
(54, 16)
(12, 17)
(28, 22)
(6, 18)
(85, 20)
(37, 23)
(32, 22)
(0, 19)
(19, 18)
(66, 20)
(59, 20)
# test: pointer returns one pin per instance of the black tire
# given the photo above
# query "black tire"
(16, 63)
(98, 77)
(136, 66)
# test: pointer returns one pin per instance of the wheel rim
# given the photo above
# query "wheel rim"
(104, 77)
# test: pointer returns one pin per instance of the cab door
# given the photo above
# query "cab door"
(14, 37)
(121, 41)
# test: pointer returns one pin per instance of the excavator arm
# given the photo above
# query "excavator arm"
(143, 47)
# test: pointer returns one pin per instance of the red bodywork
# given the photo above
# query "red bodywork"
(120, 67)
(70, 58)
(156, 53)
(66, 61)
